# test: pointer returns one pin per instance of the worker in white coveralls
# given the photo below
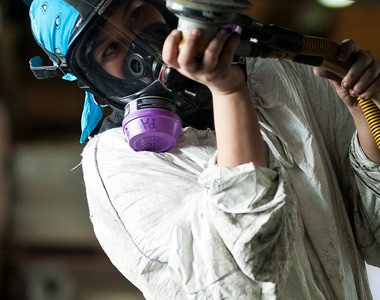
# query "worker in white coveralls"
(215, 178)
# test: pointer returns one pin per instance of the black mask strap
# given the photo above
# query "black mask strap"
(40, 71)
(44, 72)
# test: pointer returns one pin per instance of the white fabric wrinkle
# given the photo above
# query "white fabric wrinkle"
(299, 132)
(241, 189)
(261, 242)
(107, 225)
(368, 177)
(302, 282)
(139, 213)
(201, 148)
(233, 286)
(273, 110)
(277, 146)
(313, 160)
(207, 254)
(195, 258)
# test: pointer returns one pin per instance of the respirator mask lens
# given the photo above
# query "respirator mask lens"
(118, 52)
(119, 59)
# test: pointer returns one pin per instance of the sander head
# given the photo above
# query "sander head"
(207, 15)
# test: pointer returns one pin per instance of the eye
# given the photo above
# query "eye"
(110, 50)
(135, 15)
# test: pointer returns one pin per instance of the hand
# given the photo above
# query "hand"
(214, 69)
(236, 125)
(362, 79)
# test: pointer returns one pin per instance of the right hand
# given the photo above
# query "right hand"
(214, 69)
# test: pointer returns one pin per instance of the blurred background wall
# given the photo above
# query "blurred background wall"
(47, 246)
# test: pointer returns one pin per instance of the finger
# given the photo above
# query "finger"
(187, 55)
(336, 80)
(320, 72)
(356, 71)
(372, 90)
(230, 48)
(214, 49)
(170, 48)
(346, 49)
(368, 77)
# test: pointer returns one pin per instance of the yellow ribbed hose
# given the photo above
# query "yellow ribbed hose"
(317, 46)
(372, 115)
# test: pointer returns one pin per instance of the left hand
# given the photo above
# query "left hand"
(362, 79)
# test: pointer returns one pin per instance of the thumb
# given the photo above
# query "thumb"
(320, 72)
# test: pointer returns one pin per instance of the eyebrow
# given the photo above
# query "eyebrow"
(127, 9)
(107, 37)
(101, 42)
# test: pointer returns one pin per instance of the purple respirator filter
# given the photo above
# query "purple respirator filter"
(151, 124)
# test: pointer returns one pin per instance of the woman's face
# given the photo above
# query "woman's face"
(113, 42)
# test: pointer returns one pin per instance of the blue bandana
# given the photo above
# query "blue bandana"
(52, 23)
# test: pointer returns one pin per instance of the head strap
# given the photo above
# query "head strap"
(43, 72)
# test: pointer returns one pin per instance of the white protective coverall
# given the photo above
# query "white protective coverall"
(178, 226)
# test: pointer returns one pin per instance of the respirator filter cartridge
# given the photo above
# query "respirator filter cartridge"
(151, 124)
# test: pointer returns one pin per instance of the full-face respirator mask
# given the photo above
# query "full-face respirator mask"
(115, 53)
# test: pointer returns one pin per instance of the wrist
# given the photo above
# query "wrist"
(366, 139)
(234, 83)
(239, 92)
(357, 115)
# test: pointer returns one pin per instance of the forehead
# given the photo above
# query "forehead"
(130, 16)
(136, 12)
(115, 7)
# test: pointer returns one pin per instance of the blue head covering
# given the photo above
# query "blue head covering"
(52, 23)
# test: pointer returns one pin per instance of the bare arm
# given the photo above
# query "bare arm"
(362, 80)
(237, 130)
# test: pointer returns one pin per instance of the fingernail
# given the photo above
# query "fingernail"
(364, 97)
(345, 85)
(223, 32)
(353, 94)
(195, 32)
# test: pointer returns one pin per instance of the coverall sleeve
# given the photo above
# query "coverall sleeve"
(180, 227)
(367, 207)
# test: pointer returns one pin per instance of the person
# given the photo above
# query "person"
(279, 201)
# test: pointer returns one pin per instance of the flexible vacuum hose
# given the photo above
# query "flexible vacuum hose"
(279, 43)
(317, 46)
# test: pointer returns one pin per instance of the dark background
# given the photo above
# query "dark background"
(47, 246)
